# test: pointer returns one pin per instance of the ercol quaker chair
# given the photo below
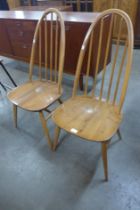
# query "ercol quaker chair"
(96, 115)
(48, 49)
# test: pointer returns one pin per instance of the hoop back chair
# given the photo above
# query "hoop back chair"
(48, 49)
(96, 115)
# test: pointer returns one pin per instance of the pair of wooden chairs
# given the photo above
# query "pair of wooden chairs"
(94, 115)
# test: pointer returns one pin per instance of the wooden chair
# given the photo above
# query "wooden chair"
(48, 50)
(96, 115)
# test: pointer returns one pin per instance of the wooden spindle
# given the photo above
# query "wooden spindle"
(56, 50)
(51, 45)
(98, 55)
(120, 72)
(106, 56)
(40, 53)
(46, 47)
(114, 61)
(88, 63)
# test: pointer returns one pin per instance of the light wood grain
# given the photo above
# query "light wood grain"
(88, 118)
(129, 6)
(13, 3)
(96, 116)
(37, 95)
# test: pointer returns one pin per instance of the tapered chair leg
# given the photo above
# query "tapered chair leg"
(15, 115)
(119, 134)
(104, 157)
(60, 101)
(57, 132)
(46, 131)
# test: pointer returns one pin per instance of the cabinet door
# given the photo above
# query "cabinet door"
(5, 46)
(137, 27)
(20, 34)
(101, 5)
(130, 7)
(75, 33)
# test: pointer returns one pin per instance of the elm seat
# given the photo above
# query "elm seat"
(34, 95)
(88, 118)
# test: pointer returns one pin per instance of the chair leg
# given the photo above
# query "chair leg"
(60, 101)
(15, 115)
(57, 132)
(119, 134)
(104, 157)
(46, 131)
(2, 85)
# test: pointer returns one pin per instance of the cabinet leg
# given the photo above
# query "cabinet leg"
(81, 81)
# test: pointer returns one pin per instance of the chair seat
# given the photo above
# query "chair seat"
(88, 118)
(35, 95)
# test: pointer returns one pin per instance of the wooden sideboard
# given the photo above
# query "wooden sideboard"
(17, 29)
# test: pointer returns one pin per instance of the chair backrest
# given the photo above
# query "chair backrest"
(48, 47)
(80, 5)
(109, 85)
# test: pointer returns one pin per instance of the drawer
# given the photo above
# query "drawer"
(20, 35)
(21, 50)
(21, 24)
(5, 46)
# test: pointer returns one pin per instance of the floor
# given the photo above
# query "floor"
(34, 178)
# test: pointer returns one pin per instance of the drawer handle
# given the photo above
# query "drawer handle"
(24, 46)
(67, 28)
(18, 24)
(21, 33)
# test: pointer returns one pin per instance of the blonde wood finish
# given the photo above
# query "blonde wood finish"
(13, 3)
(129, 6)
(103, 5)
(96, 116)
(37, 95)
(88, 118)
